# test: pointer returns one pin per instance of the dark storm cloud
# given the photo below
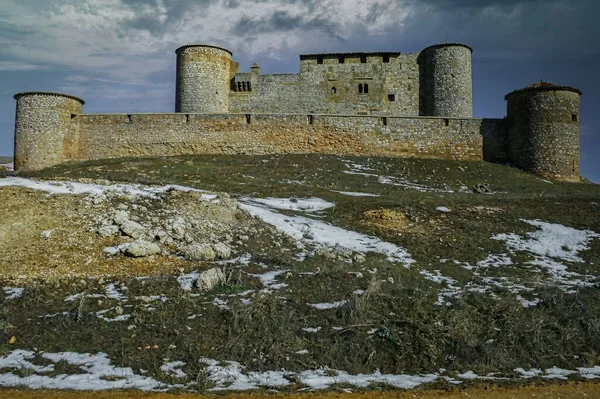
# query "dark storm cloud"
(282, 21)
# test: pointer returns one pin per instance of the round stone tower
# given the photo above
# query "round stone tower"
(45, 134)
(543, 130)
(446, 83)
(203, 79)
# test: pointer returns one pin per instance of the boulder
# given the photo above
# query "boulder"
(107, 231)
(133, 229)
(222, 251)
(120, 216)
(199, 252)
(141, 248)
(210, 279)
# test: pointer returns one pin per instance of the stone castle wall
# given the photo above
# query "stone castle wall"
(45, 133)
(111, 136)
(202, 79)
(446, 81)
(543, 132)
(325, 85)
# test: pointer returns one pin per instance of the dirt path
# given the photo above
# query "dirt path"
(563, 391)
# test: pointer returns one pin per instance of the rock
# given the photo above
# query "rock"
(199, 252)
(120, 216)
(141, 248)
(107, 231)
(482, 188)
(133, 229)
(177, 226)
(46, 234)
(222, 250)
(12, 340)
(359, 258)
(119, 310)
(210, 279)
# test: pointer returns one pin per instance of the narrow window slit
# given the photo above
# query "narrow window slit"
(446, 122)
(248, 118)
(310, 119)
(130, 118)
(384, 121)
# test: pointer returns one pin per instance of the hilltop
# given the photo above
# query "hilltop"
(296, 271)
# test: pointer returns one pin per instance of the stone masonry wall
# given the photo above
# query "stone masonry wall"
(333, 87)
(543, 133)
(111, 136)
(446, 81)
(202, 79)
(45, 134)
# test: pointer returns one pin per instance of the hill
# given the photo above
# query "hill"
(296, 271)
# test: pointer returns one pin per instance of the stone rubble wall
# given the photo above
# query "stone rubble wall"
(45, 133)
(202, 79)
(542, 133)
(112, 136)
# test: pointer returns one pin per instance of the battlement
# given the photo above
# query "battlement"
(384, 103)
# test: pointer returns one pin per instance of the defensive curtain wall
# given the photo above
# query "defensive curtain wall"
(411, 105)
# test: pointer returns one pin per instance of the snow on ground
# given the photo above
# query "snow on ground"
(13, 292)
(268, 280)
(319, 233)
(98, 190)
(551, 240)
(8, 166)
(294, 204)
(173, 369)
(354, 194)
(357, 169)
(551, 244)
(327, 305)
(97, 373)
(443, 209)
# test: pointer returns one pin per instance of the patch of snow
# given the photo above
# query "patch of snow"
(95, 370)
(98, 190)
(231, 378)
(589, 372)
(437, 277)
(355, 194)
(528, 373)
(8, 166)
(527, 303)
(312, 329)
(328, 305)
(243, 260)
(469, 375)
(558, 373)
(220, 303)
(114, 292)
(13, 292)
(404, 183)
(320, 233)
(173, 369)
(186, 281)
(551, 240)
(495, 260)
(443, 209)
(294, 204)
(323, 379)
(303, 352)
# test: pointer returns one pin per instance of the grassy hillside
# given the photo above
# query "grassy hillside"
(467, 266)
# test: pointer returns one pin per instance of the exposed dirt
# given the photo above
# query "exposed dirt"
(566, 391)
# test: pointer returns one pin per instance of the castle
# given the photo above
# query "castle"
(382, 103)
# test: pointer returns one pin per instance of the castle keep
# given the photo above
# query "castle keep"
(384, 103)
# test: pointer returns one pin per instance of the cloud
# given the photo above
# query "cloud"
(11, 66)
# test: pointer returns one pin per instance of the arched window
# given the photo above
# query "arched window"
(239, 86)
(366, 88)
(360, 88)
(243, 86)
(333, 90)
(249, 86)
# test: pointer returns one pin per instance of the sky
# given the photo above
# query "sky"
(118, 55)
